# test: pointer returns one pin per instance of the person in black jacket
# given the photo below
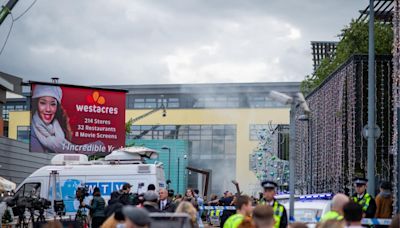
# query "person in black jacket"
(151, 202)
(97, 207)
(123, 196)
(280, 215)
(165, 204)
(363, 198)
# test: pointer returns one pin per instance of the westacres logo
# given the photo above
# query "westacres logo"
(96, 105)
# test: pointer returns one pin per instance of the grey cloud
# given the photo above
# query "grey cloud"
(128, 42)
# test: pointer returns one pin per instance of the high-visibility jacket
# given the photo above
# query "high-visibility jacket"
(215, 213)
(234, 221)
(280, 216)
(367, 203)
(331, 215)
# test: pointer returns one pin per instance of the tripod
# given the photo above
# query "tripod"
(81, 215)
(21, 218)
(41, 217)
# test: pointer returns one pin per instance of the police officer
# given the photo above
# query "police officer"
(364, 199)
(280, 215)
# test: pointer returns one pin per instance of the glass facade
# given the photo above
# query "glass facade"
(151, 101)
(209, 146)
(23, 133)
(13, 107)
(195, 101)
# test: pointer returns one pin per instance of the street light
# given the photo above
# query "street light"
(169, 160)
(179, 160)
(294, 100)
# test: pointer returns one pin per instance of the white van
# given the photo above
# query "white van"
(118, 168)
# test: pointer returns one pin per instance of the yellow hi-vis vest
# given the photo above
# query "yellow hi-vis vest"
(278, 212)
(215, 213)
(364, 202)
(234, 221)
(331, 215)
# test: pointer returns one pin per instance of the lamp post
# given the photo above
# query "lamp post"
(179, 174)
(169, 160)
(371, 103)
(294, 101)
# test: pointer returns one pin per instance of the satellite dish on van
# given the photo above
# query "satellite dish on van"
(132, 153)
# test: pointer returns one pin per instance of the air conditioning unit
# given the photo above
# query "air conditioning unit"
(65, 159)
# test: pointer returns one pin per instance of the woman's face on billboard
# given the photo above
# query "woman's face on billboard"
(47, 107)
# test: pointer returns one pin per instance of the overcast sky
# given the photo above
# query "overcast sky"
(107, 42)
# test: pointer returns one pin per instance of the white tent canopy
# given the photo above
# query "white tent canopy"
(6, 185)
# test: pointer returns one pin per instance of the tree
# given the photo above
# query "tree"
(354, 41)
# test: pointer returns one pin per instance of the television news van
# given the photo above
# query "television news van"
(126, 165)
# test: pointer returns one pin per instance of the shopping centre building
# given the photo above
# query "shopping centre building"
(209, 127)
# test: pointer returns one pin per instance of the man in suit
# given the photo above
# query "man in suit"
(165, 204)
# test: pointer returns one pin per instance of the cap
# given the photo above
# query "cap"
(150, 196)
(126, 186)
(47, 91)
(138, 216)
(226, 192)
(269, 184)
(360, 181)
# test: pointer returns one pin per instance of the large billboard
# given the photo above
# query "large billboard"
(74, 119)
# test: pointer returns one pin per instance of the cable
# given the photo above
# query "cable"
(8, 35)
(23, 13)
(12, 24)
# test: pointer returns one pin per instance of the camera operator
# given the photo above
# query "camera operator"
(81, 197)
(96, 208)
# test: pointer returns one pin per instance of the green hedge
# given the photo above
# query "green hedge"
(354, 40)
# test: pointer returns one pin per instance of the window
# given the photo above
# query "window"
(138, 103)
(19, 107)
(150, 103)
(263, 101)
(23, 133)
(5, 114)
(29, 190)
(217, 102)
(173, 103)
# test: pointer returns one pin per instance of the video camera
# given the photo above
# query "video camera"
(81, 193)
(19, 204)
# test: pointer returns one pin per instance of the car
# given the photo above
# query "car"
(310, 208)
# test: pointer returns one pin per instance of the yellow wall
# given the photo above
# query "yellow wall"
(242, 118)
(17, 118)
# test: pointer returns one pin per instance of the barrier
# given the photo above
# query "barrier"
(374, 221)
(371, 221)
(218, 208)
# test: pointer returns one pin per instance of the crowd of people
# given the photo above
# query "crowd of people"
(131, 210)
(128, 210)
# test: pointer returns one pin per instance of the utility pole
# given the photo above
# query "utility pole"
(294, 101)
(7, 10)
(371, 103)
(292, 159)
